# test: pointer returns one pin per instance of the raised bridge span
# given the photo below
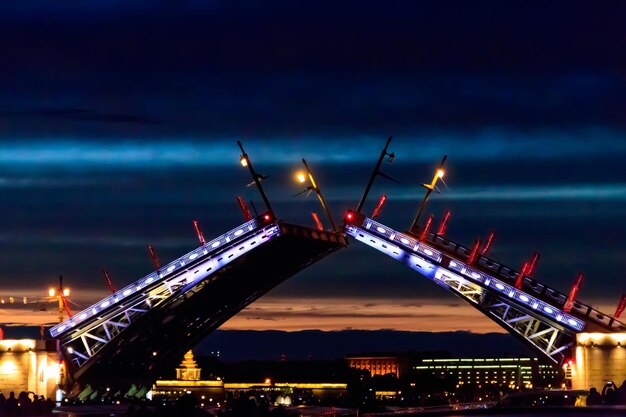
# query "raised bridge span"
(144, 328)
(135, 334)
(534, 313)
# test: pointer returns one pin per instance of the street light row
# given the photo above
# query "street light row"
(302, 177)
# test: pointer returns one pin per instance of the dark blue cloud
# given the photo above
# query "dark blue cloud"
(273, 69)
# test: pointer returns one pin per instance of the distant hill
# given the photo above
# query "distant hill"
(238, 345)
(241, 345)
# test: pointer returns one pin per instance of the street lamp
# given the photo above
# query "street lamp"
(301, 177)
(244, 160)
(62, 294)
(376, 172)
(439, 174)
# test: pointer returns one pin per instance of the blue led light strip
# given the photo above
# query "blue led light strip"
(93, 333)
(485, 280)
(156, 277)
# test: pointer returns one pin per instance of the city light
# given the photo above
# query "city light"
(51, 292)
(301, 178)
(66, 292)
(256, 177)
(429, 189)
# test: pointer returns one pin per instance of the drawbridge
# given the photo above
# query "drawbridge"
(139, 332)
(143, 329)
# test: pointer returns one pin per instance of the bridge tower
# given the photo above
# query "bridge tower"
(598, 358)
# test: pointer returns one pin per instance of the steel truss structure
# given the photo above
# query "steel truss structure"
(534, 313)
(87, 332)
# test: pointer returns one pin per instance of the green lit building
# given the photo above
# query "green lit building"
(500, 373)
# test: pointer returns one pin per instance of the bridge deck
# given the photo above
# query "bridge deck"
(142, 348)
(534, 313)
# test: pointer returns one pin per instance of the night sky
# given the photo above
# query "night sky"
(119, 122)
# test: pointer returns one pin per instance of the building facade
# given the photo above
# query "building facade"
(501, 373)
(30, 365)
(395, 365)
(442, 372)
(188, 382)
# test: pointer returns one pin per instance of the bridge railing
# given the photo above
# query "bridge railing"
(504, 287)
(549, 295)
(154, 278)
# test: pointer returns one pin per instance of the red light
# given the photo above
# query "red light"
(349, 215)
(570, 363)
(266, 217)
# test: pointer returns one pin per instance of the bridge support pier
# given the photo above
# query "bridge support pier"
(598, 358)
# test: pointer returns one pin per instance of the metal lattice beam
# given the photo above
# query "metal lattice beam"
(541, 326)
(91, 335)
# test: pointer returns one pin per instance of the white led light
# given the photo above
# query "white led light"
(381, 230)
(487, 282)
(524, 298)
(572, 322)
(475, 275)
(453, 264)
(548, 310)
(499, 286)
(404, 240)
(428, 252)
(251, 226)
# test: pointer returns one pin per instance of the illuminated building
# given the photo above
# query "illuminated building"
(30, 365)
(501, 373)
(188, 370)
(309, 387)
(598, 358)
(291, 393)
(188, 382)
(379, 364)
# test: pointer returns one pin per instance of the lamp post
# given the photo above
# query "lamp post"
(245, 162)
(62, 293)
(429, 189)
(377, 171)
(301, 177)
